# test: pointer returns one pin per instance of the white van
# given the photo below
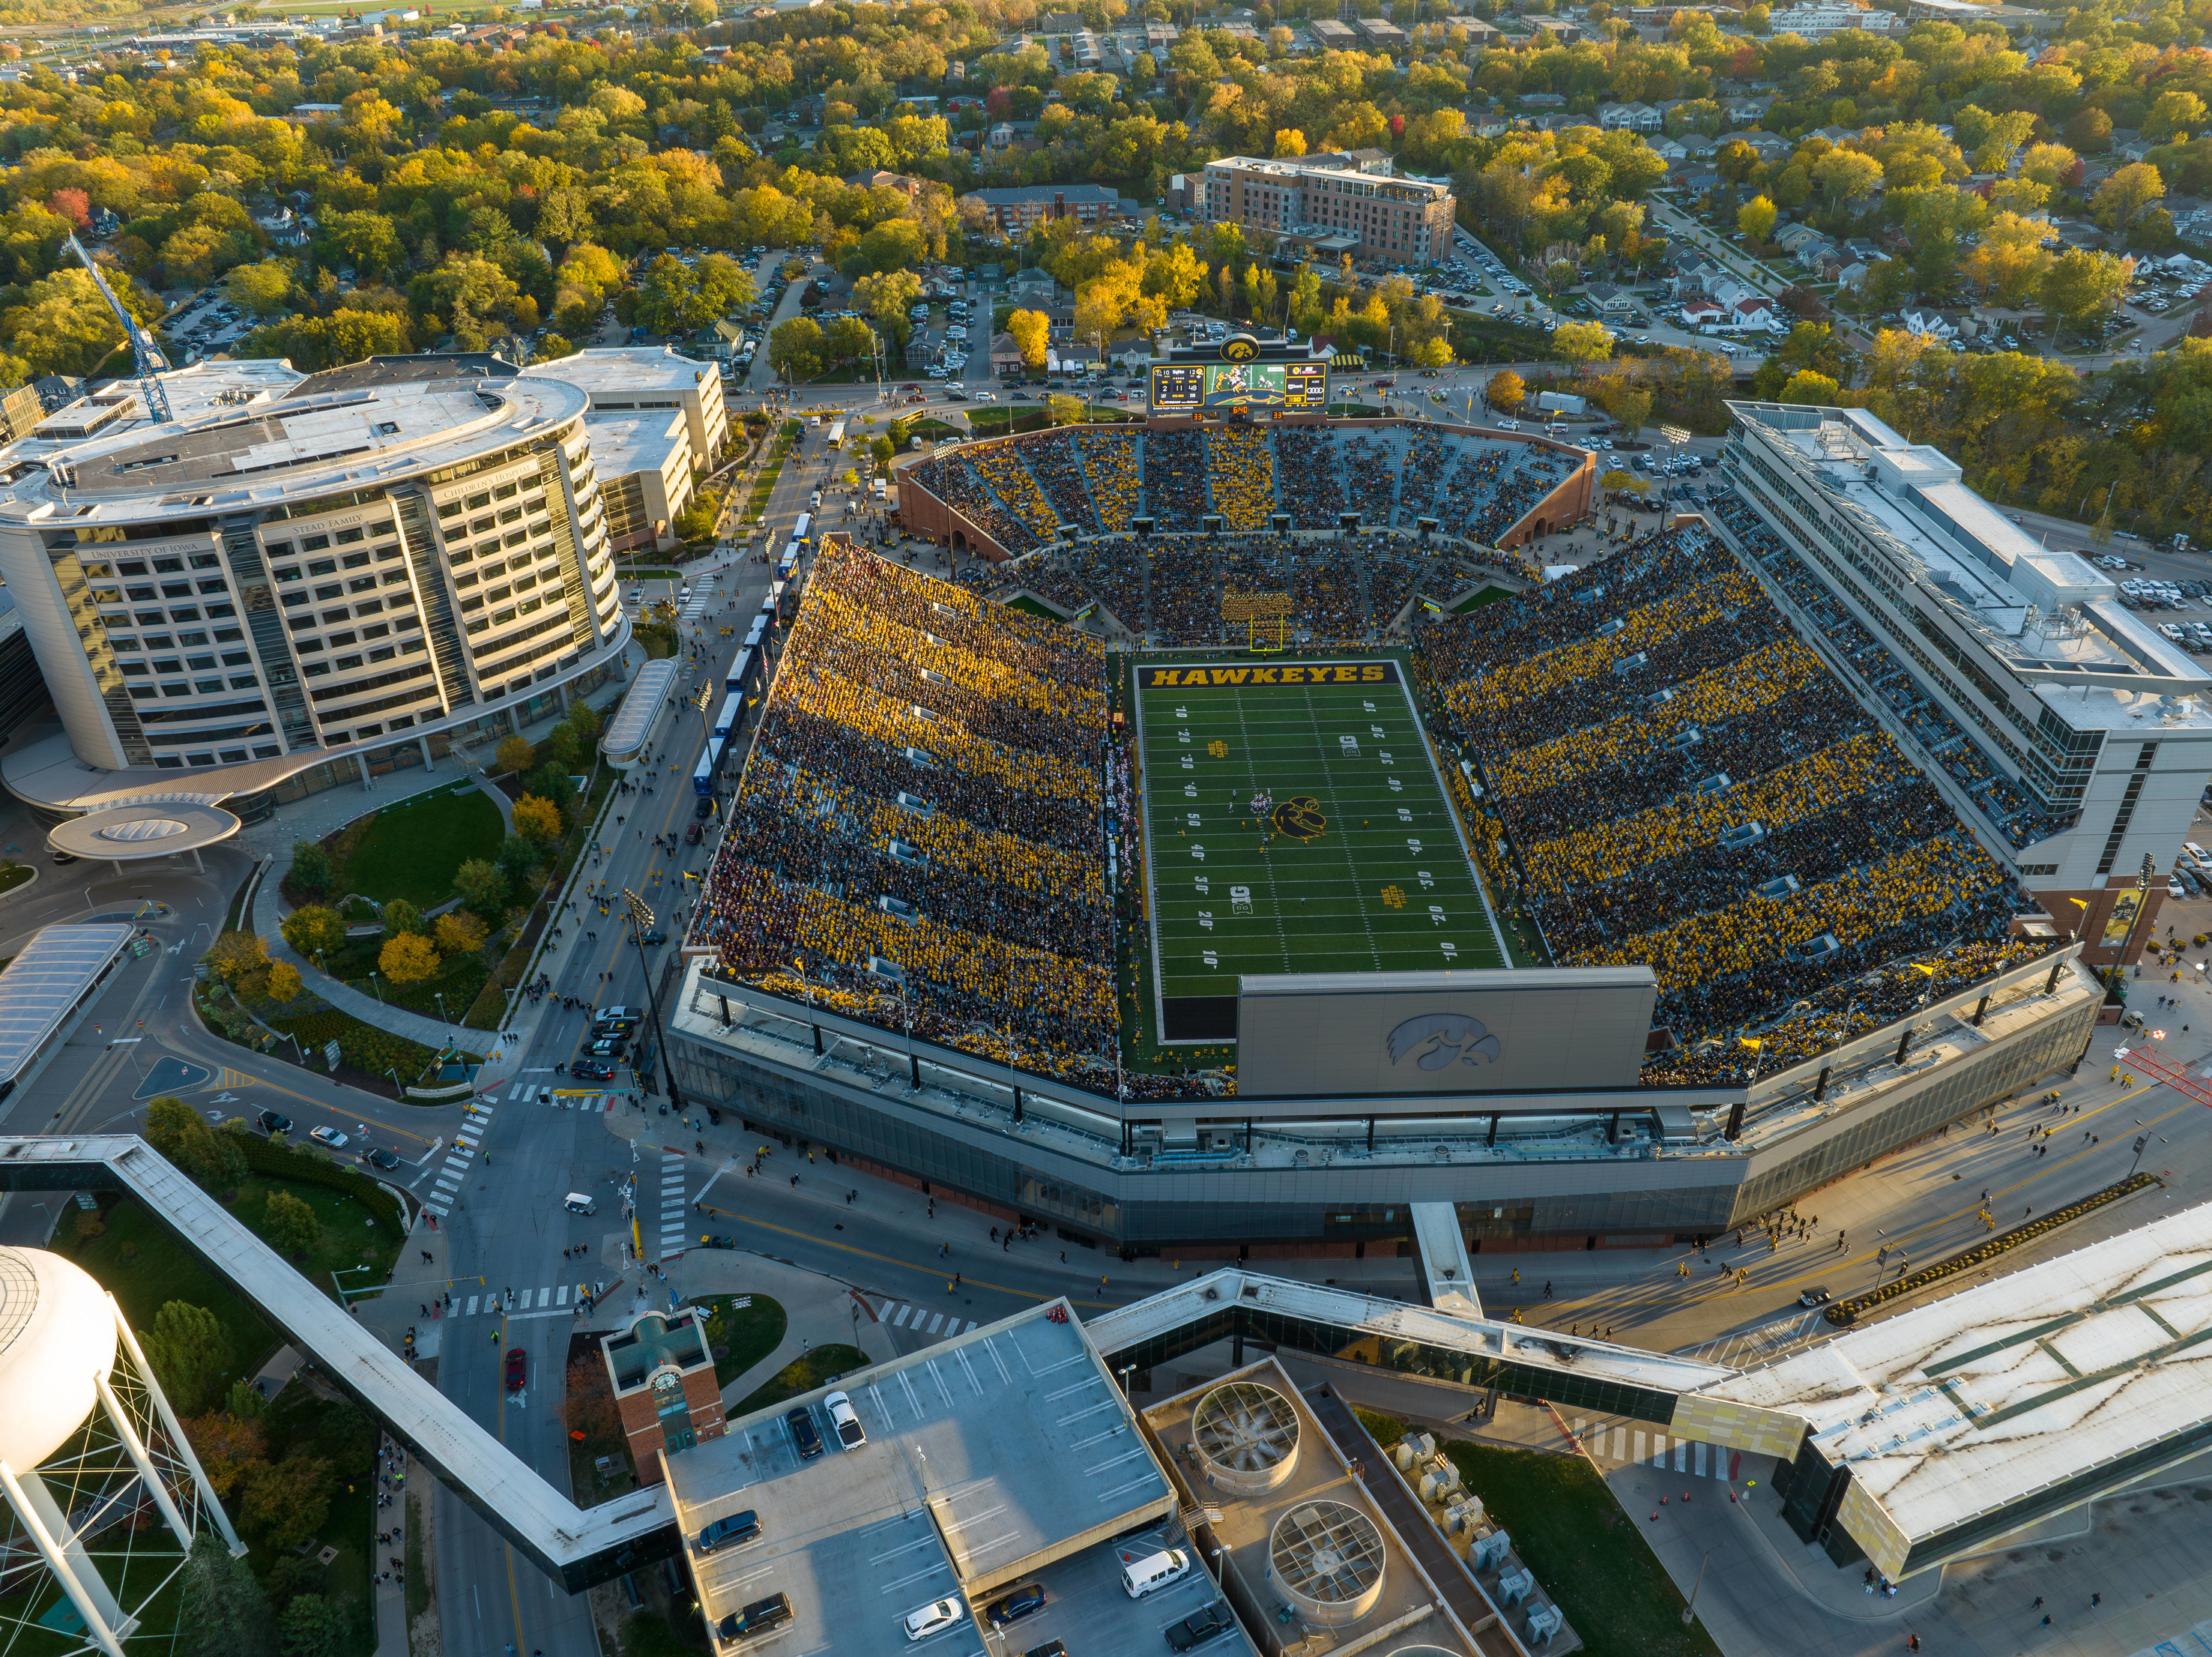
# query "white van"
(578, 1202)
(1140, 1577)
(2198, 856)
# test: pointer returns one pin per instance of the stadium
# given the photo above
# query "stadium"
(1247, 846)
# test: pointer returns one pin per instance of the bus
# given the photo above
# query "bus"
(743, 674)
(837, 433)
(800, 530)
(710, 762)
(753, 639)
(732, 716)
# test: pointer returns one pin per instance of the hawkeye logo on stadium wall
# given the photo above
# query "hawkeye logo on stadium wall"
(1325, 672)
(1300, 818)
(1441, 1037)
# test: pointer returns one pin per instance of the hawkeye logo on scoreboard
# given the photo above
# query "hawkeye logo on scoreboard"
(1240, 347)
(1300, 674)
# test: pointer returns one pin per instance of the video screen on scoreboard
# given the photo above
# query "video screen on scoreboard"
(1190, 388)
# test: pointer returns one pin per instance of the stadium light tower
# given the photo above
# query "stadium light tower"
(640, 917)
(106, 1495)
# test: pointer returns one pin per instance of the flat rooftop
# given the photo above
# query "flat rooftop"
(2040, 609)
(989, 1458)
(1964, 1406)
(628, 369)
(627, 443)
(1317, 1533)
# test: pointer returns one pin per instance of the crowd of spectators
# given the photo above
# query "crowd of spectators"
(2009, 809)
(1186, 589)
(988, 895)
(1476, 488)
(1677, 780)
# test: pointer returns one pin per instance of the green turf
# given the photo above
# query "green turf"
(412, 849)
(1380, 882)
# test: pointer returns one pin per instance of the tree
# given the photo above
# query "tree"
(238, 956)
(181, 1133)
(283, 982)
(518, 858)
(400, 915)
(1030, 331)
(668, 299)
(1064, 410)
(221, 1611)
(188, 1351)
(481, 883)
(1807, 386)
(1846, 176)
(536, 819)
(459, 933)
(313, 1626)
(314, 929)
(290, 1224)
(1583, 343)
(228, 1444)
(2121, 198)
(1506, 389)
(795, 349)
(516, 753)
(1755, 218)
(311, 866)
(288, 1500)
(2172, 117)
(889, 296)
(1626, 402)
(407, 959)
(2081, 283)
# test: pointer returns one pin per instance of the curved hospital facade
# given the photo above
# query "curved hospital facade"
(300, 576)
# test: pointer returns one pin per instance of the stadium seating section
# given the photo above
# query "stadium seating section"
(895, 684)
(1673, 777)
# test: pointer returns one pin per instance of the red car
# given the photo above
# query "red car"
(691, 834)
(517, 1361)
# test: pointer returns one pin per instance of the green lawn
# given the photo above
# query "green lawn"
(803, 1375)
(1356, 867)
(411, 850)
(1584, 1550)
(750, 1333)
(1487, 595)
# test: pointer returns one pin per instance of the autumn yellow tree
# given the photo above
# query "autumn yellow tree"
(1583, 343)
(1030, 331)
(536, 819)
(237, 956)
(407, 959)
(283, 981)
(517, 754)
(2010, 261)
(459, 933)
(1506, 389)
(1755, 218)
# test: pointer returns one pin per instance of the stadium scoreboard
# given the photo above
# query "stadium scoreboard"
(1240, 372)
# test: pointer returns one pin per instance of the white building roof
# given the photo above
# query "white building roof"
(1973, 1403)
(43, 982)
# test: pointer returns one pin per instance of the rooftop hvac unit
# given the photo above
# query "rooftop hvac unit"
(1247, 1437)
(1544, 1622)
(1516, 1585)
(1489, 1549)
(1327, 1558)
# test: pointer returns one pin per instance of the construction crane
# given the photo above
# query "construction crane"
(146, 356)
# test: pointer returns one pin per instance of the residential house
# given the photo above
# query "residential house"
(1609, 300)
(1630, 118)
(1767, 146)
(879, 179)
(1853, 275)
(1698, 311)
(1001, 137)
(1796, 238)
(1754, 311)
(1668, 151)
(922, 346)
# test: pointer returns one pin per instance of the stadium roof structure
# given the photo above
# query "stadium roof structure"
(1963, 1419)
(49, 977)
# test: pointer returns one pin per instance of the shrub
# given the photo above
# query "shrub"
(315, 929)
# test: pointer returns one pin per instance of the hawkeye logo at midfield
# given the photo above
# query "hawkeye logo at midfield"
(1325, 673)
(1300, 818)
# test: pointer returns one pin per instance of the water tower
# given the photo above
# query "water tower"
(104, 1491)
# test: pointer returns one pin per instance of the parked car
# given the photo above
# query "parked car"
(1814, 1297)
(933, 1618)
(758, 1617)
(273, 1121)
(330, 1136)
(847, 1425)
(1012, 1606)
(607, 1047)
(1201, 1626)
(805, 1435)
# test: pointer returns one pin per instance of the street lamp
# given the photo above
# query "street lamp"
(640, 917)
(372, 984)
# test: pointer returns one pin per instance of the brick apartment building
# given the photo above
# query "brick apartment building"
(1021, 207)
(1397, 221)
(665, 1390)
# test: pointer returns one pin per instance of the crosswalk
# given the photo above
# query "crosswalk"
(1640, 1445)
(551, 1300)
(674, 1233)
(446, 1190)
(563, 1099)
(921, 1321)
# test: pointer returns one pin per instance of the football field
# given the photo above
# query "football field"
(1351, 861)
